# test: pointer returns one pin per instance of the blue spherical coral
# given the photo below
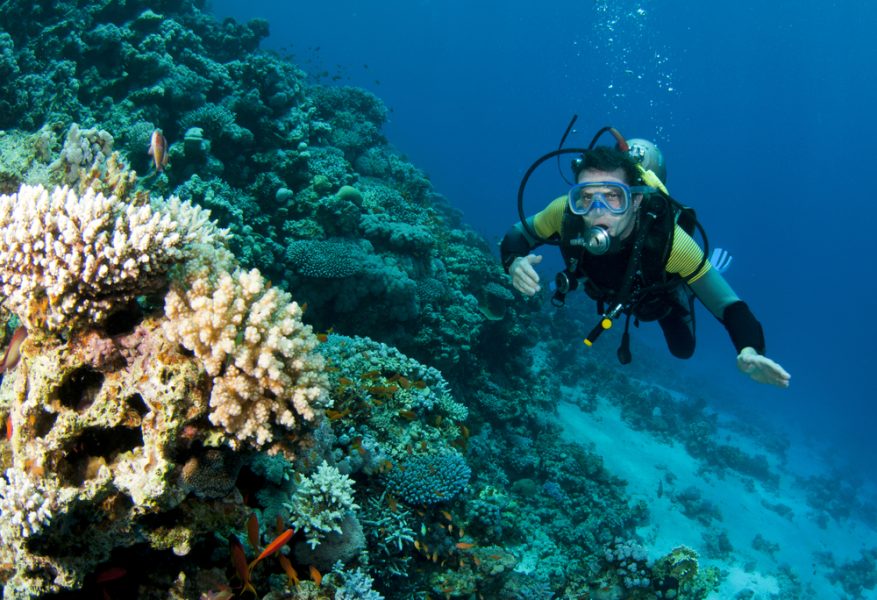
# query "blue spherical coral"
(429, 479)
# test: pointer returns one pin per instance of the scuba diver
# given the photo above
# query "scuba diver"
(630, 245)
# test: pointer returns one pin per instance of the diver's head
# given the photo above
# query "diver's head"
(649, 156)
(607, 195)
(605, 158)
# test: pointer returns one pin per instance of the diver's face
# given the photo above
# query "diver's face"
(619, 226)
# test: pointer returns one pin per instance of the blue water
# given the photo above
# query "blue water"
(764, 111)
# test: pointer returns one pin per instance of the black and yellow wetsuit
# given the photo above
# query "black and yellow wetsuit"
(670, 258)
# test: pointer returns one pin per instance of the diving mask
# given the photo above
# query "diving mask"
(612, 196)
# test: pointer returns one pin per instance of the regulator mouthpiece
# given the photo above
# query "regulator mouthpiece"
(597, 240)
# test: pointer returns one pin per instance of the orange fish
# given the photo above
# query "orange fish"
(158, 150)
(408, 414)
(315, 575)
(239, 560)
(334, 415)
(274, 546)
(464, 545)
(13, 350)
(291, 573)
(253, 531)
(9, 428)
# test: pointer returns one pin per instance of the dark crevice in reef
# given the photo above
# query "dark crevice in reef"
(94, 447)
(80, 388)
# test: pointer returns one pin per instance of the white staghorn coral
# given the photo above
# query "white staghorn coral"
(68, 261)
(251, 339)
(25, 507)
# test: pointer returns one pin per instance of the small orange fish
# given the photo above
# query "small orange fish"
(291, 573)
(370, 375)
(13, 350)
(334, 415)
(323, 338)
(158, 150)
(464, 545)
(403, 381)
(239, 560)
(274, 546)
(391, 502)
(345, 381)
(419, 384)
(408, 414)
(9, 428)
(315, 575)
(447, 515)
(477, 561)
(253, 531)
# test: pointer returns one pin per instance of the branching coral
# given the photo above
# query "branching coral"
(251, 339)
(68, 261)
(25, 507)
(321, 503)
(429, 479)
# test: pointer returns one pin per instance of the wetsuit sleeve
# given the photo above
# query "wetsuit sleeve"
(743, 327)
(714, 292)
(545, 224)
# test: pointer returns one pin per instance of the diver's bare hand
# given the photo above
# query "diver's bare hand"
(761, 368)
(524, 276)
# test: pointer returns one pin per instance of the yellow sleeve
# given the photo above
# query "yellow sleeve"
(548, 221)
(685, 256)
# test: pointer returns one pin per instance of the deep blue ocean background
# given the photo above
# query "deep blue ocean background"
(764, 112)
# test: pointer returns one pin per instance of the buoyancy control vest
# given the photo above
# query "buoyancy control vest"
(603, 275)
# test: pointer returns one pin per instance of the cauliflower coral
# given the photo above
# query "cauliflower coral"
(251, 339)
